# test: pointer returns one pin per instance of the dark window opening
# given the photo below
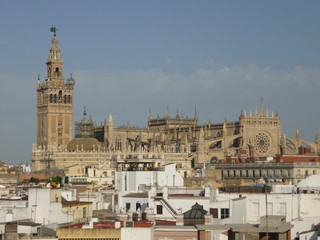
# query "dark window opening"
(214, 212)
(127, 206)
(159, 209)
(224, 213)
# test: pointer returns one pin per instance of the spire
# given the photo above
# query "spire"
(261, 107)
(297, 132)
(71, 80)
(150, 115)
(110, 120)
(55, 52)
(317, 137)
(224, 127)
(55, 61)
(168, 113)
(177, 115)
(195, 114)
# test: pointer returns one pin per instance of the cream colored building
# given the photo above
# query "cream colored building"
(165, 139)
(77, 211)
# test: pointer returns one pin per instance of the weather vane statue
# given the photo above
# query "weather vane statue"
(54, 30)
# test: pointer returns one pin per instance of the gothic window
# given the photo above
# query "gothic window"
(51, 98)
(69, 99)
(118, 143)
(60, 96)
(262, 142)
(65, 98)
(55, 98)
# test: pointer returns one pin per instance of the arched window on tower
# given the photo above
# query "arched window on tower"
(55, 98)
(60, 97)
(51, 98)
(69, 99)
(57, 72)
(65, 98)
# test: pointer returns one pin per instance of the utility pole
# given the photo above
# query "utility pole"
(267, 220)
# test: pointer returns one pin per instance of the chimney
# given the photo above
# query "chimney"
(179, 220)
(208, 220)
(123, 218)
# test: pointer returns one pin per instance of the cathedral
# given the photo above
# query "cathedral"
(255, 135)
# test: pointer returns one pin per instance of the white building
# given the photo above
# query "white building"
(128, 181)
(45, 206)
(132, 186)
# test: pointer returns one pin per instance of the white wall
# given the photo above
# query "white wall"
(143, 201)
(27, 229)
(96, 198)
(69, 195)
(42, 209)
(130, 180)
(137, 233)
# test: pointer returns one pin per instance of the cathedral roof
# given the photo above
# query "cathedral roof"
(84, 144)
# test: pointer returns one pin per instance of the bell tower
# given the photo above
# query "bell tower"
(54, 103)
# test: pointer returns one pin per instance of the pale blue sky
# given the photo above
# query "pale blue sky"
(131, 56)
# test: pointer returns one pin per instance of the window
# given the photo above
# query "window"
(118, 143)
(138, 206)
(224, 213)
(283, 208)
(127, 206)
(159, 209)
(214, 212)
(255, 209)
(270, 208)
(57, 72)
(84, 212)
(60, 97)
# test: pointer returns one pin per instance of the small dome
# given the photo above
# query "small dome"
(87, 144)
(195, 215)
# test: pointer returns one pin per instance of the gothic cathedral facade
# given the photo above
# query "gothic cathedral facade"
(165, 139)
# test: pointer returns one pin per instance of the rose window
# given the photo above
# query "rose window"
(262, 142)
